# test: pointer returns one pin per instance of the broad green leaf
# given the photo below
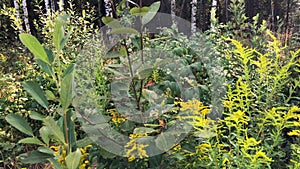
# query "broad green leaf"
(143, 130)
(151, 13)
(111, 22)
(55, 130)
(35, 157)
(55, 163)
(45, 67)
(144, 72)
(123, 30)
(36, 92)
(69, 70)
(50, 55)
(165, 141)
(46, 150)
(59, 32)
(19, 123)
(123, 52)
(50, 95)
(34, 46)
(45, 133)
(71, 129)
(84, 142)
(66, 93)
(31, 140)
(73, 159)
(139, 11)
(36, 116)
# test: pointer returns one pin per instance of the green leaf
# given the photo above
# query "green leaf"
(35, 157)
(45, 67)
(55, 164)
(69, 70)
(84, 142)
(66, 93)
(123, 30)
(54, 129)
(36, 116)
(59, 32)
(34, 46)
(46, 150)
(151, 13)
(143, 130)
(31, 140)
(19, 123)
(36, 92)
(50, 95)
(111, 22)
(73, 159)
(45, 133)
(71, 129)
(49, 55)
(139, 11)
(165, 141)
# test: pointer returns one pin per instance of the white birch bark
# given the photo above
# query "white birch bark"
(61, 5)
(193, 16)
(213, 13)
(108, 8)
(53, 5)
(26, 16)
(18, 18)
(173, 8)
(47, 6)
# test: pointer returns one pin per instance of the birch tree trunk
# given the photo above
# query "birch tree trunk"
(61, 5)
(47, 6)
(213, 12)
(173, 8)
(53, 5)
(26, 16)
(17, 7)
(108, 8)
(193, 16)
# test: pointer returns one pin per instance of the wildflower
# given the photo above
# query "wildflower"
(238, 117)
(262, 156)
(116, 117)
(135, 150)
(294, 133)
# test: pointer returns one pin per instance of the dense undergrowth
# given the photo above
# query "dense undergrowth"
(240, 99)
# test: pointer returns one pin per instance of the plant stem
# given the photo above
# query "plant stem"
(131, 75)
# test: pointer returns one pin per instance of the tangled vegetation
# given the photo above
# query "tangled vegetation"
(220, 99)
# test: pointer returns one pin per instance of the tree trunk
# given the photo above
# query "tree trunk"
(53, 5)
(193, 16)
(226, 10)
(213, 14)
(47, 6)
(26, 19)
(173, 9)
(182, 7)
(61, 5)
(108, 8)
(17, 7)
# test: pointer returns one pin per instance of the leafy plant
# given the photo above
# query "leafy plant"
(59, 132)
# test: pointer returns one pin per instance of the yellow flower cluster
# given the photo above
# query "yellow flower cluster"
(83, 159)
(116, 117)
(134, 149)
(60, 154)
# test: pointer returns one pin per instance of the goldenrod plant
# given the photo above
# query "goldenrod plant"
(260, 127)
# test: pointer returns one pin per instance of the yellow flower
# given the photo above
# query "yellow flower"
(134, 149)
(116, 117)
(294, 133)
(228, 104)
(262, 155)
